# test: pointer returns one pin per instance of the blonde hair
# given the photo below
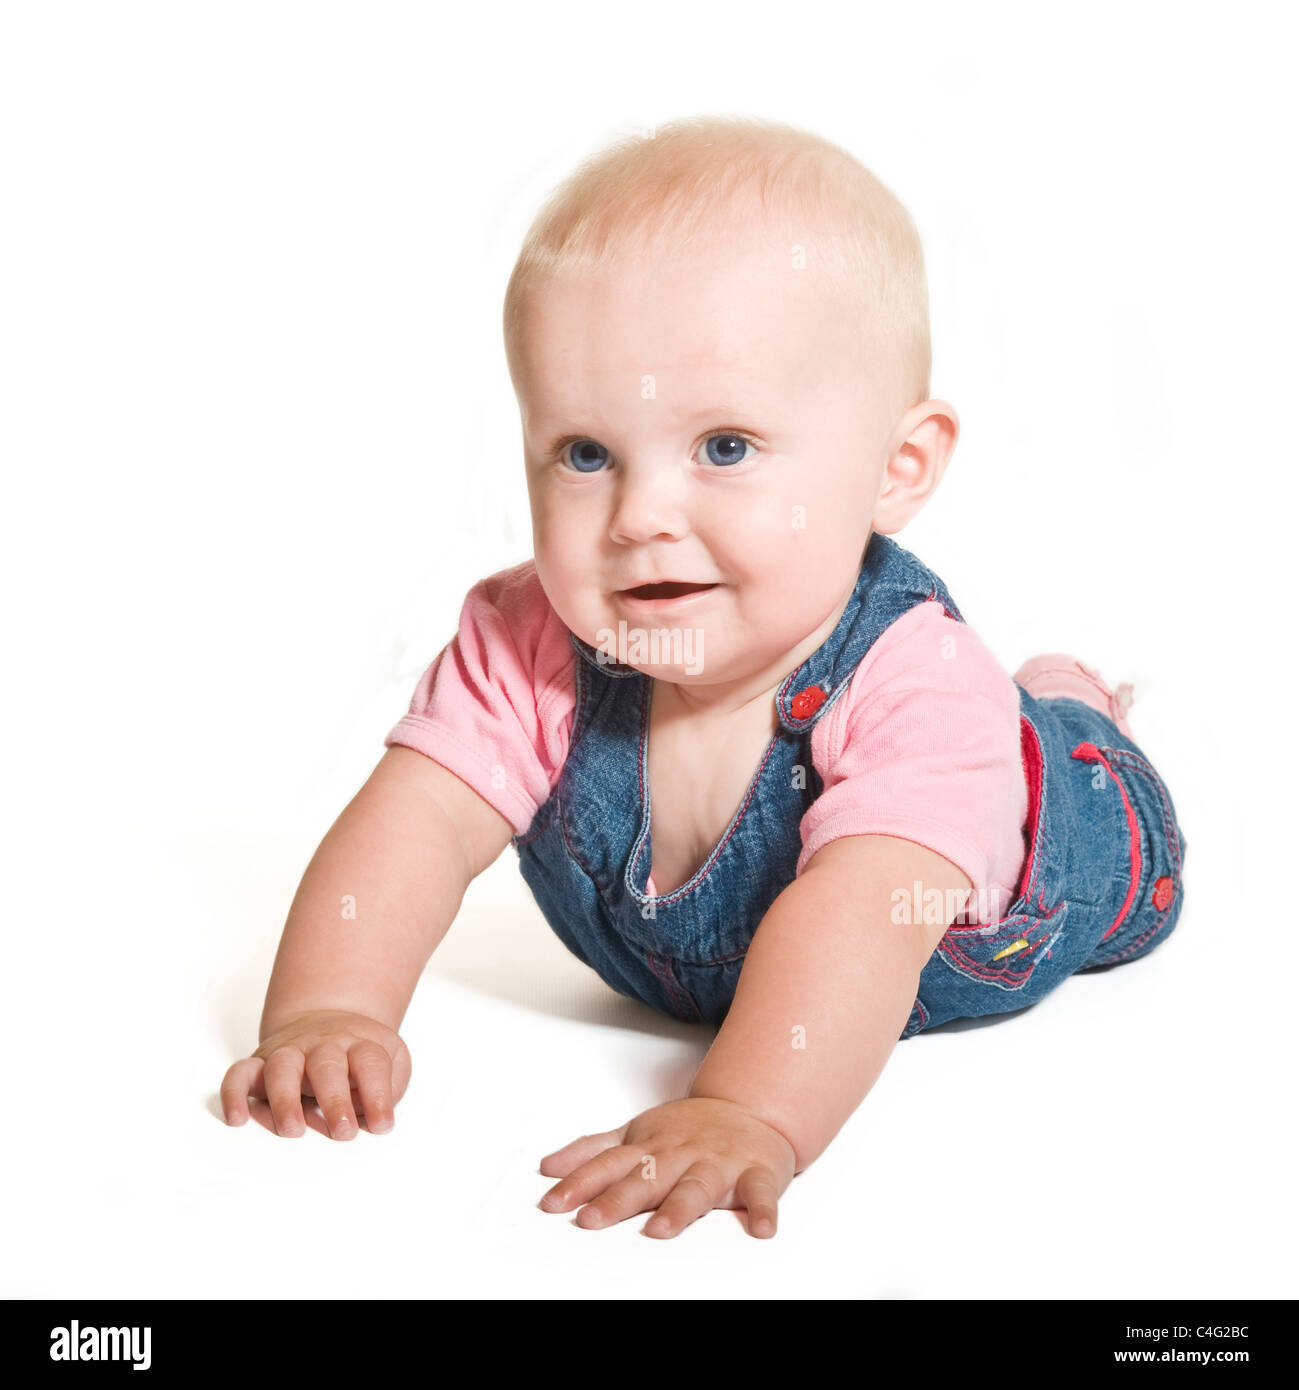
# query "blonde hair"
(652, 195)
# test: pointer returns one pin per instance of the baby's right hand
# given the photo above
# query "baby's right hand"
(335, 1056)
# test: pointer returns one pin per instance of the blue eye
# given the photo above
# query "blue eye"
(727, 449)
(724, 450)
(587, 456)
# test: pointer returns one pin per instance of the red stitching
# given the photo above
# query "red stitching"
(673, 986)
(1084, 751)
(731, 955)
(1136, 763)
(1139, 764)
(906, 1027)
(647, 697)
(780, 694)
(1031, 757)
(527, 839)
(1134, 946)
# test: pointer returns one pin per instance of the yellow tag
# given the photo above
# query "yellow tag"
(1011, 949)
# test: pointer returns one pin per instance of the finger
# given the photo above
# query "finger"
(244, 1078)
(401, 1070)
(641, 1190)
(282, 1077)
(327, 1070)
(696, 1192)
(371, 1069)
(590, 1179)
(757, 1191)
(562, 1162)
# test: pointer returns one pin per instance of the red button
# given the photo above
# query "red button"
(1163, 894)
(806, 703)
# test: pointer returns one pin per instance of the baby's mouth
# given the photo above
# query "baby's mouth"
(672, 588)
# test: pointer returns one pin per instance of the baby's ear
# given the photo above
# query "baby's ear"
(926, 437)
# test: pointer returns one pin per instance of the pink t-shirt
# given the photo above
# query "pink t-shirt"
(924, 744)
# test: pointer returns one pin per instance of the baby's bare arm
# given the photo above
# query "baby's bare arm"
(374, 903)
(399, 857)
(825, 992)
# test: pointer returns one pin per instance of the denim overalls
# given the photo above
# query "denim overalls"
(1102, 879)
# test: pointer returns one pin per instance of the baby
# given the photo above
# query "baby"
(758, 770)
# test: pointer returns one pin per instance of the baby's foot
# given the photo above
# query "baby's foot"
(1057, 673)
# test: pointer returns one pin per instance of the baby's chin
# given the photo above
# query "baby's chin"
(680, 655)
(666, 650)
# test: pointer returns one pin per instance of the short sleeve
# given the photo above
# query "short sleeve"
(495, 706)
(925, 745)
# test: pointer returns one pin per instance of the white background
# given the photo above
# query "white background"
(258, 440)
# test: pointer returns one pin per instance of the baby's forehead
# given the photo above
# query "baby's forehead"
(716, 301)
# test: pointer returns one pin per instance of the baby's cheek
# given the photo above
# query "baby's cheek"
(801, 535)
(764, 525)
(566, 578)
(826, 503)
(555, 526)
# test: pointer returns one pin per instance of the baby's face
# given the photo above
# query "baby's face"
(712, 428)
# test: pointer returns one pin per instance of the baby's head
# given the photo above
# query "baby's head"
(719, 340)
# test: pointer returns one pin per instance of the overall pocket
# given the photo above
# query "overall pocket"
(998, 967)
(1147, 900)
(1007, 952)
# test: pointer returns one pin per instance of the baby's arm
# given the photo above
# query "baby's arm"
(826, 989)
(373, 905)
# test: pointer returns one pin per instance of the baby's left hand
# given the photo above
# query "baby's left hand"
(685, 1158)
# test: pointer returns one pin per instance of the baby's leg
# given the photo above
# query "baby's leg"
(1056, 673)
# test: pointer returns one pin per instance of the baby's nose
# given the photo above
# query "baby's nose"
(645, 509)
